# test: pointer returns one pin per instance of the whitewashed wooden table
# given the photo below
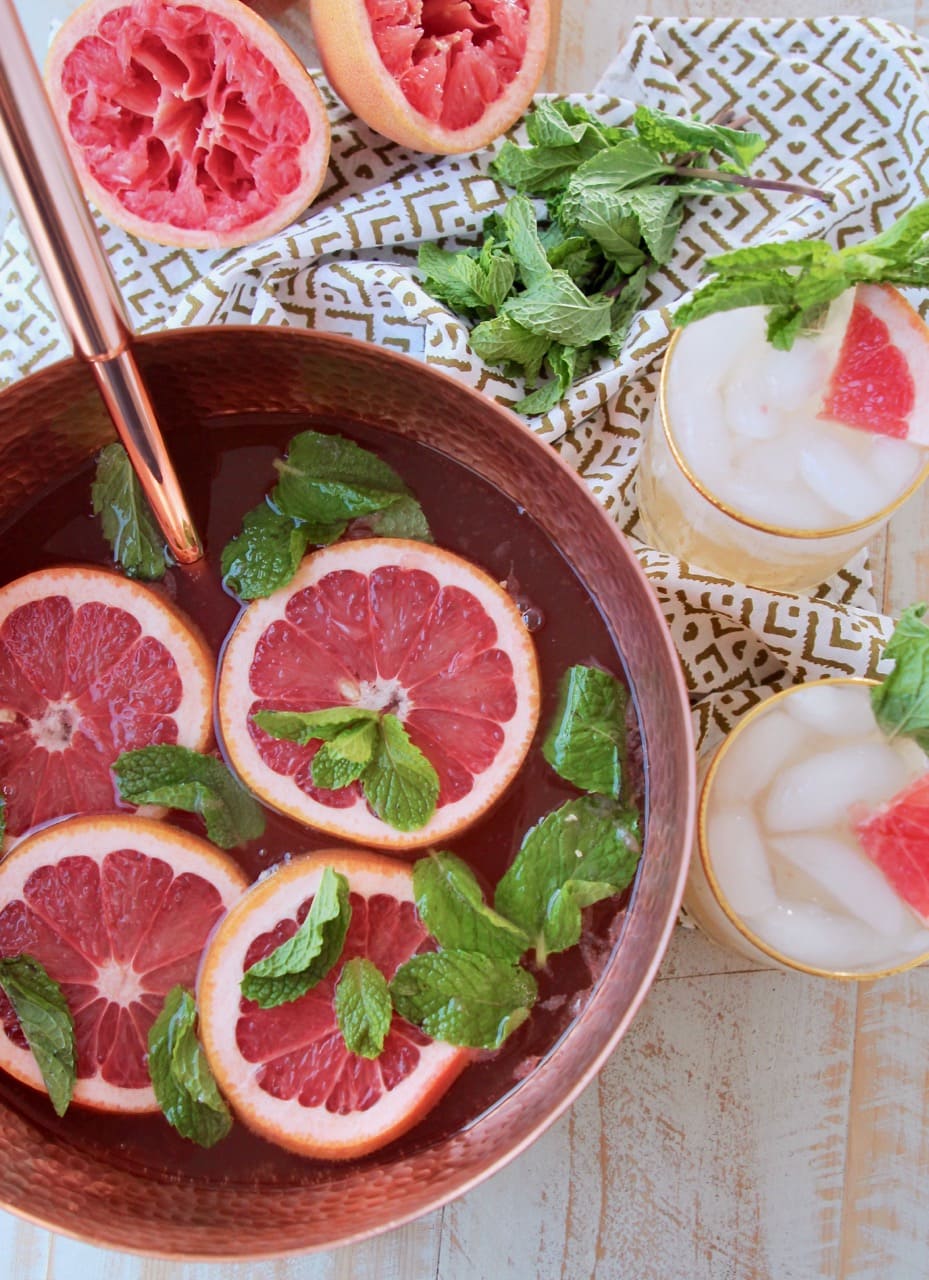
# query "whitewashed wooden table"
(753, 1125)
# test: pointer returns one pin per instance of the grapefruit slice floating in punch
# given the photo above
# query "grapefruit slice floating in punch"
(91, 664)
(287, 1071)
(117, 909)
(880, 382)
(896, 839)
(393, 626)
(189, 123)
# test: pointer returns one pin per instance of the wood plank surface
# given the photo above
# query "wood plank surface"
(752, 1125)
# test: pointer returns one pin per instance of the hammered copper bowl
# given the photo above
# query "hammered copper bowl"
(52, 422)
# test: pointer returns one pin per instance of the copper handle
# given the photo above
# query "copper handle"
(48, 197)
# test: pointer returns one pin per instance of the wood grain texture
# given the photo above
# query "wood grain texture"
(752, 1125)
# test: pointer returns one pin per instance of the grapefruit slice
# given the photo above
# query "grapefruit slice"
(91, 664)
(286, 1071)
(880, 382)
(192, 124)
(436, 75)
(117, 909)
(394, 626)
(896, 839)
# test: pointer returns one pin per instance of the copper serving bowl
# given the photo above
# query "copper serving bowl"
(53, 422)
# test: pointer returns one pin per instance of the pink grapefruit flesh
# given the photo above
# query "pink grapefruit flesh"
(393, 626)
(190, 124)
(896, 839)
(880, 382)
(91, 664)
(117, 909)
(287, 1071)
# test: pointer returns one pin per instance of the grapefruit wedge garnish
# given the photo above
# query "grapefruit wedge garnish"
(880, 382)
(390, 626)
(91, 664)
(896, 839)
(286, 1071)
(117, 909)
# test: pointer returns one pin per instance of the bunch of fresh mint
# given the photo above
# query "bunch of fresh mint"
(472, 989)
(553, 298)
(798, 279)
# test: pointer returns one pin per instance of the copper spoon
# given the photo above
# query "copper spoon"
(47, 195)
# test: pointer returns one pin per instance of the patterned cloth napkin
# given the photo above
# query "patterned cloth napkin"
(843, 104)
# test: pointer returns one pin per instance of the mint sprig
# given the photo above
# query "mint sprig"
(46, 1022)
(184, 1085)
(586, 743)
(126, 519)
(370, 747)
(901, 701)
(179, 778)
(463, 997)
(325, 483)
(297, 965)
(363, 1007)
(581, 853)
(798, 280)
(552, 296)
(451, 905)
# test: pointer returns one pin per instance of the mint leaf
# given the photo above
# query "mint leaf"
(310, 726)
(556, 122)
(676, 135)
(623, 311)
(181, 1077)
(343, 758)
(46, 1023)
(363, 1008)
(522, 233)
(128, 524)
(789, 253)
(467, 282)
(725, 293)
(463, 997)
(563, 363)
(903, 240)
(658, 212)
(267, 553)
(183, 779)
(400, 784)
(901, 701)
(404, 518)
(543, 171)
(556, 308)
(297, 965)
(503, 341)
(326, 479)
(452, 907)
(586, 743)
(584, 851)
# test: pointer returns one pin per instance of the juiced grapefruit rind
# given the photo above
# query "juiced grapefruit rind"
(368, 78)
(132, 937)
(258, 672)
(133, 670)
(310, 1130)
(200, 150)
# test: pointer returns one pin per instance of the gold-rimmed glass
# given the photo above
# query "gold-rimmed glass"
(681, 514)
(705, 900)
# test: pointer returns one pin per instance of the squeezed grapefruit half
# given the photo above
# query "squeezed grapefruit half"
(286, 1071)
(392, 626)
(117, 909)
(91, 664)
(880, 382)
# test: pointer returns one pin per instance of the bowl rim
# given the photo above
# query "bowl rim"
(606, 1041)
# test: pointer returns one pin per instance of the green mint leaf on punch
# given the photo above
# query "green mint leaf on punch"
(463, 997)
(297, 965)
(586, 743)
(581, 853)
(305, 726)
(452, 907)
(183, 779)
(325, 483)
(181, 1077)
(901, 701)
(344, 758)
(363, 1007)
(46, 1023)
(400, 784)
(126, 519)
